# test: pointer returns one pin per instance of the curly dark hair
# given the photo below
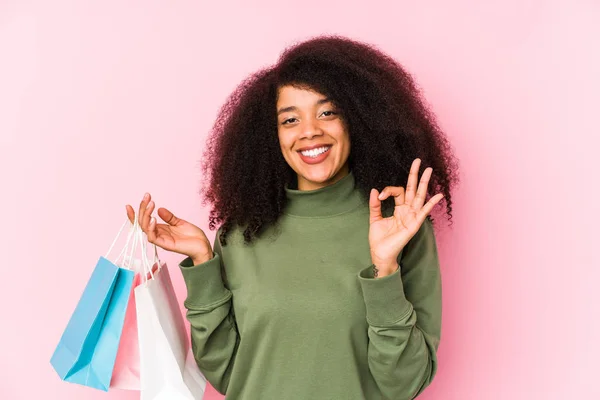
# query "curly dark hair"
(388, 122)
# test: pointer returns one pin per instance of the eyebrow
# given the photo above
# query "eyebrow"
(294, 108)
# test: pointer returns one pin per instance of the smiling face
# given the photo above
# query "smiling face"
(313, 138)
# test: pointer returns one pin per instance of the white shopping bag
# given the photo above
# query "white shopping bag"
(167, 368)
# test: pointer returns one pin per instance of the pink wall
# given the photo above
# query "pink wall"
(100, 103)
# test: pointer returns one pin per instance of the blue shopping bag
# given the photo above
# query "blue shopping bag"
(88, 346)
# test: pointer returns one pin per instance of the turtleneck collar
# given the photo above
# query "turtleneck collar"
(338, 198)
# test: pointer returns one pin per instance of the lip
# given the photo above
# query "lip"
(316, 146)
(316, 160)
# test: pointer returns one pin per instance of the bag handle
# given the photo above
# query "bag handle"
(135, 233)
(133, 237)
(129, 237)
(128, 261)
(146, 265)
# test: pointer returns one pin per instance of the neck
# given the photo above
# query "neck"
(337, 198)
(305, 184)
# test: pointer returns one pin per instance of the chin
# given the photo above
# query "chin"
(319, 177)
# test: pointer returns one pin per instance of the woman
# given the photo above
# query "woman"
(319, 285)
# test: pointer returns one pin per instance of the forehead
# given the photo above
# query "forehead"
(292, 95)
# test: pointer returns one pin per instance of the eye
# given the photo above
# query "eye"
(287, 121)
(328, 113)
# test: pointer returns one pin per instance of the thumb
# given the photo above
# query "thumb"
(374, 206)
(169, 217)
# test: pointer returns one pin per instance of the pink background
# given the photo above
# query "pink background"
(102, 102)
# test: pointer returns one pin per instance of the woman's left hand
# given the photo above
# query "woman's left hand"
(388, 236)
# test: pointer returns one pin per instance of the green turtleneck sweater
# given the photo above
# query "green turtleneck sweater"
(298, 314)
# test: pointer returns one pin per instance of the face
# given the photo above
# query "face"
(312, 136)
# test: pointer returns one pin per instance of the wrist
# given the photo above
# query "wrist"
(384, 263)
(384, 269)
(201, 259)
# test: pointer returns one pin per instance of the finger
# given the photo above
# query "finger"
(424, 212)
(152, 231)
(168, 217)
(130, 213)
(147, 216)
(422, 191)
(413, 178)
(396, 191)
(157, 233)
(374, 207)
(142, 209)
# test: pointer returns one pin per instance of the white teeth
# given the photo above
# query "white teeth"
(315, 152)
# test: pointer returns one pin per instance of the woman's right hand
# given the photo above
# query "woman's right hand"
(176, 235)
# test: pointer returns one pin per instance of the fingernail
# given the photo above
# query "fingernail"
(148, 205)
(146, 196)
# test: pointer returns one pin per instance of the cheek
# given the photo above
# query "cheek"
(286, 140)
(285, 145)
(281, 139)
(344, 138)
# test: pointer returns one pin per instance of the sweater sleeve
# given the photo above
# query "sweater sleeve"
(404, 318)
(214, 333)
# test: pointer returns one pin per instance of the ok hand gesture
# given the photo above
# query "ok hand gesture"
(388, 236)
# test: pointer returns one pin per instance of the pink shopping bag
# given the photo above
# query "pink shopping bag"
(126, 374)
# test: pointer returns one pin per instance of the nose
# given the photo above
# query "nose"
(311, 128)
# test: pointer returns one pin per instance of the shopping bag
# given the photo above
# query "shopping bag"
(126, 373)
(87, 348)
(167, 367)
